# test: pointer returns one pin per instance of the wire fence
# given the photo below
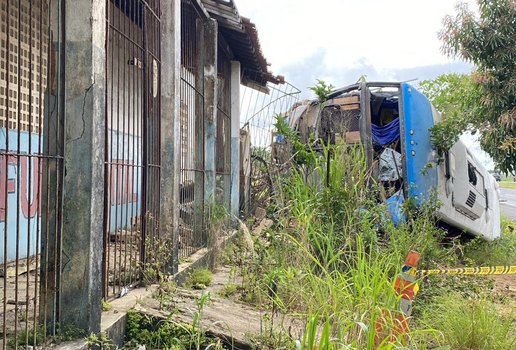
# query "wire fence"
(260, 107)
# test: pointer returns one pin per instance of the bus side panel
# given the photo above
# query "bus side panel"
(418, 117)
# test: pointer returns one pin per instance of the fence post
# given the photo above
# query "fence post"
(83, 206)
(235, 140)
(209, 49)
(170, 123)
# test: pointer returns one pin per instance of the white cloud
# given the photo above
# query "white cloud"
(386, 34)
(340, 40)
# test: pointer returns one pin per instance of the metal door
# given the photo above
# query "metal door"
(132, 158)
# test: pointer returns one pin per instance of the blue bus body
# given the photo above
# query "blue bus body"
(392, 121)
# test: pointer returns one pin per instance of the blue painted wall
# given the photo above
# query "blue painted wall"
(125, 180)
(22, 218)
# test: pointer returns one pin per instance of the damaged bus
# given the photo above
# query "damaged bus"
(392, 121)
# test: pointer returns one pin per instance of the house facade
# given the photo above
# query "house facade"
(120, 132)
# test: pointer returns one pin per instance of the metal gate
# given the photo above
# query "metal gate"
(133, 157)
(31, 169)
(191, 220)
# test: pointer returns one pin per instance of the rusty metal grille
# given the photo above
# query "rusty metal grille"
(31, 169)
(223, 138)
(133, 159)
(191, 219)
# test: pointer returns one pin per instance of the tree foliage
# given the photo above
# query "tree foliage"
(489, 42)
(454, 96)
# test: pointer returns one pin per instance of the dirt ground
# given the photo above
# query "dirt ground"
(505, 285)
(18, 298)
(505, 292)
(226, 318)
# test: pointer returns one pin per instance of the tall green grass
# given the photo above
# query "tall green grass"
(501, 251)
(333, 254)
(346, 249)
(470, 324)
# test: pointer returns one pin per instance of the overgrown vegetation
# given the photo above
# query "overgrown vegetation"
(155, 333)
(302, 153)
(329, 260)
(99, 341)
(470, 323)
(332, 254)
(38, 336)
(499, 252)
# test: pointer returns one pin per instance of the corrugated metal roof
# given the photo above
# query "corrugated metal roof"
(242, 37)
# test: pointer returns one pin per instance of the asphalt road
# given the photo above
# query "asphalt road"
(508, 202)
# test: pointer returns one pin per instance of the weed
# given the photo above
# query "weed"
(313, 340)
(229, 290)
(435, 288)
(198, 334)
(29, 337)
(271, 340)
(68, 332)
(218, 218)
(167, 334)
(106, 306)
(332, 255)
(470, 324)
(322, 90)
(149, 331)
(99, 341)
(227, 256)
(200, 278)
(158, 260)
(164, 294)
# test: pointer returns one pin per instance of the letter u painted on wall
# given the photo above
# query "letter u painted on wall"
(20, 195)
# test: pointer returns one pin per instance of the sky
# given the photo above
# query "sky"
(338, 41)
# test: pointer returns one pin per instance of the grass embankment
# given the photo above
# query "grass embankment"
(331, 258)
(507, 184)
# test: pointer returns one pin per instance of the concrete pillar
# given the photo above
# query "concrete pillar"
(170, 122)
(235, 140)
(83, 206)
(209, 47)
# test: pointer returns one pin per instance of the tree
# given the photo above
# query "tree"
(454, 96)
(489, 42)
